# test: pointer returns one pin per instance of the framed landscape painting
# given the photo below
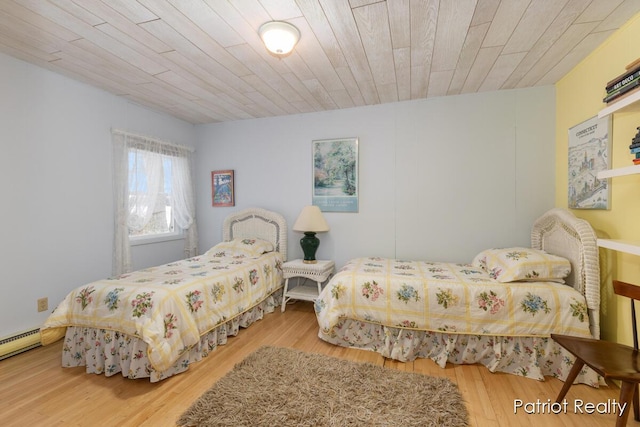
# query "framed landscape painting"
(335, 174)
(222, 192)
(589, 153)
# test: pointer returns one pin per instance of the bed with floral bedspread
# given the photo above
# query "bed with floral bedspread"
(154, 322)
(498, 310)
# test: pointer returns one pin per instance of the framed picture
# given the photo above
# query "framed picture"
(335, 174)
(222, 192)
(589, 153)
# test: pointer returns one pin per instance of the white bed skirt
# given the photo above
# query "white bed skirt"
(531, 357)
(108, 352)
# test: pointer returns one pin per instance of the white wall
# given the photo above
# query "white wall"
(56, 178)
(440, 179)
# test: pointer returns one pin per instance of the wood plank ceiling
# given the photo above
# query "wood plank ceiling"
(203, 61)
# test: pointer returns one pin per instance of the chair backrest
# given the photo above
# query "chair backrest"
(633, 293)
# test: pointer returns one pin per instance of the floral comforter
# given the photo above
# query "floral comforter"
(451, 298)
(169, 307)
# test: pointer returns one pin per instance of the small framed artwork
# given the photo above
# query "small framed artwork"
(222, 193)
(589, 153)
(335, 174)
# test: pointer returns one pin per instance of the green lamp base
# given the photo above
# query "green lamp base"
(309, 245)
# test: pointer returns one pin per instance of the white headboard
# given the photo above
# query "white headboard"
(258, 223)
(560, 232)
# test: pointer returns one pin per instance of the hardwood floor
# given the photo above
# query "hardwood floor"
(36, 391)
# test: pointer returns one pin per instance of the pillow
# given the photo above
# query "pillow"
(246, 248)
(522, 264)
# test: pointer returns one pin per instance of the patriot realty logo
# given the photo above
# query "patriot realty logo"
(611, 406)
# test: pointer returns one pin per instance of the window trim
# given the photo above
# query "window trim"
(148, 239)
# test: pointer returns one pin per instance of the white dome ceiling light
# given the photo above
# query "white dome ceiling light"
(279, 37)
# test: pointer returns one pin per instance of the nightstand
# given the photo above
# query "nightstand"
(318, 272)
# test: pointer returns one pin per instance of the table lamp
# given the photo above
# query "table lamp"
(310, 221)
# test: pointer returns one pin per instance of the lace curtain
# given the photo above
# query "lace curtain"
(140, 166)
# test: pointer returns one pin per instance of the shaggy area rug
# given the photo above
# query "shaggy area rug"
(282, 387)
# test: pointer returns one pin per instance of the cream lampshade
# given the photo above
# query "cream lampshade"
(310, 221)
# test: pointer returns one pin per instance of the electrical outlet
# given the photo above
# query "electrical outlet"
(43, 304)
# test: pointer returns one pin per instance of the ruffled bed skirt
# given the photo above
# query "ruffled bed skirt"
(109, 352)
(531, 357)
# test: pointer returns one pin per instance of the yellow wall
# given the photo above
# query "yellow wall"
(579, 97)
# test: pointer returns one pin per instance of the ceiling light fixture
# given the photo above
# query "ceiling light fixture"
(279, 37)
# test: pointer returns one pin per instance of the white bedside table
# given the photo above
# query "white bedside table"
(318, 272)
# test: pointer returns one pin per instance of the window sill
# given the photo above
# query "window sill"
(147, 240)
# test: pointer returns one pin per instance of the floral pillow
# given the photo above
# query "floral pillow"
(522, 264)
(241, 248)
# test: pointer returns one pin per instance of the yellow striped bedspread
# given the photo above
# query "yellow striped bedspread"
(447, 297)
(170, 306)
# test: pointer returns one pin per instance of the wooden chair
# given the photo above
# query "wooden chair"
(610, 360)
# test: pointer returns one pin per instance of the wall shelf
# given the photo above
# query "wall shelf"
(627, 246)
(627, 104)
(630, 103)
(627, 170)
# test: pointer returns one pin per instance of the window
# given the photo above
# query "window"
(154, 195)
(150, 192)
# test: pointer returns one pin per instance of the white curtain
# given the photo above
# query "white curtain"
(145, 179)
(183, 203)
(139, 171)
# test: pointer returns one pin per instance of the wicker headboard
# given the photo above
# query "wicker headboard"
(561, 233)
(258, 223)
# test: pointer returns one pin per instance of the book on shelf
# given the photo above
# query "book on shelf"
(634, 145)
(621, 83)
(622, 91)
(625, 95)
(629, 70)
(635, 150)
(634, 64)
(629, 84)
(636, 161)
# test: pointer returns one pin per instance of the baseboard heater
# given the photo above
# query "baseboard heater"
(19, 342)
